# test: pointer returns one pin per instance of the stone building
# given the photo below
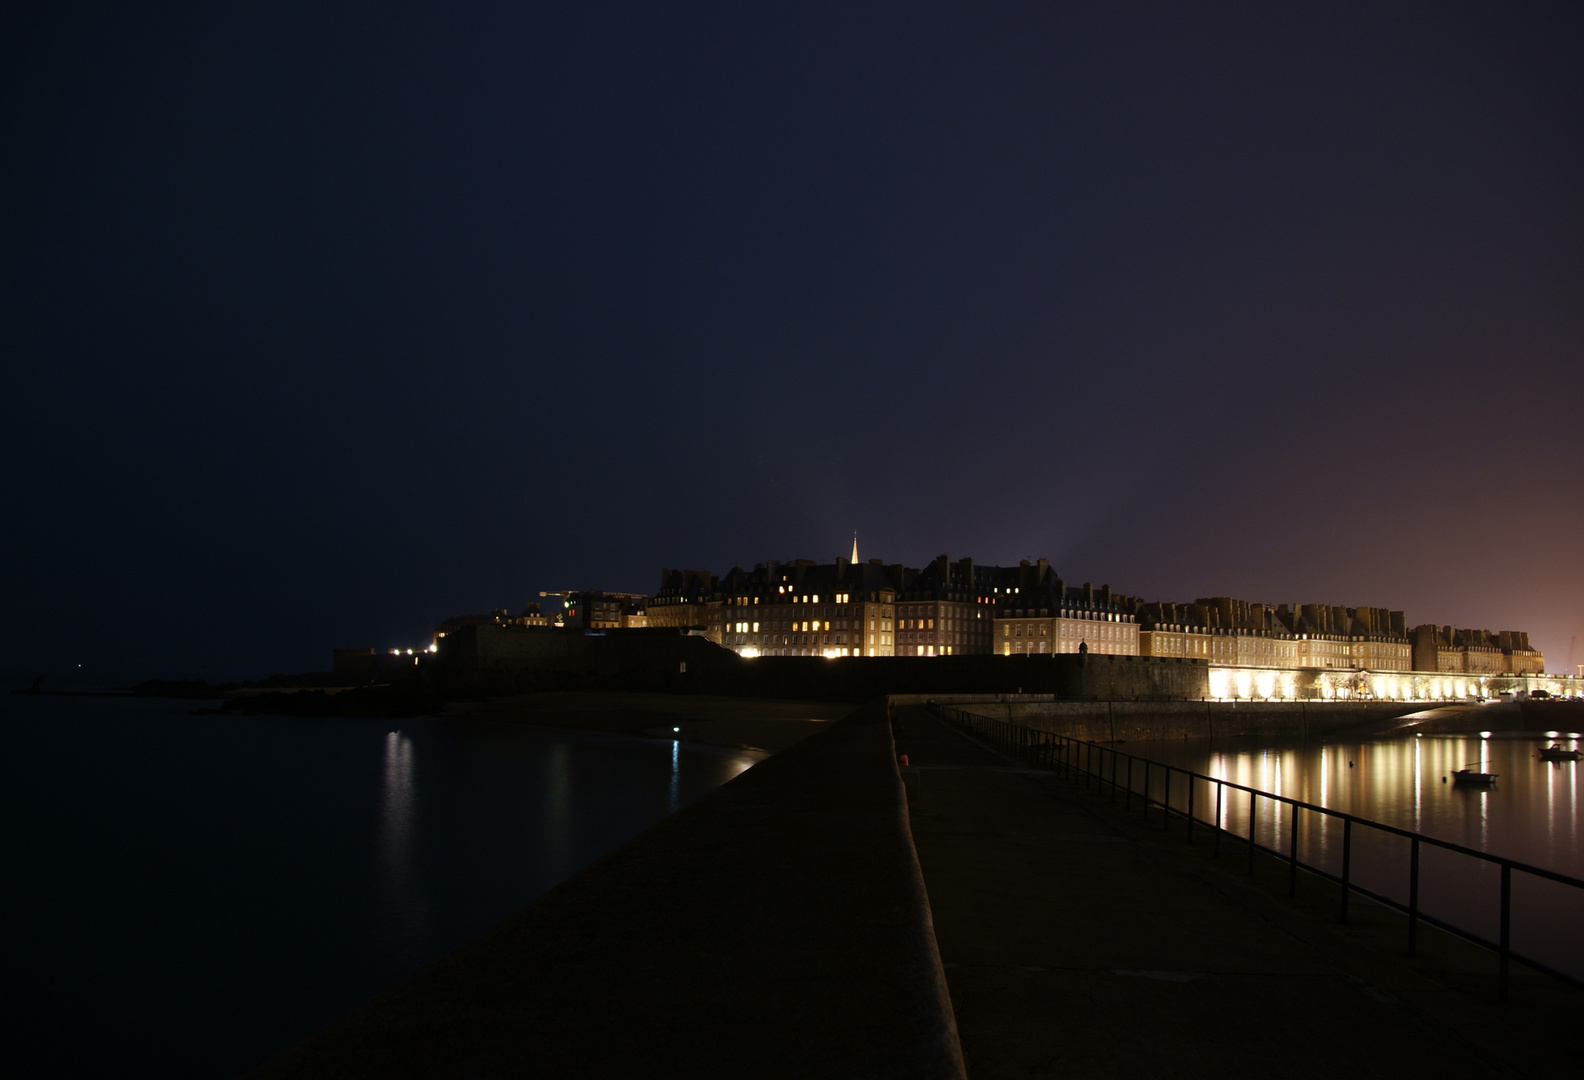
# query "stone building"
(961, 608)
(1191, 630)
(847, 608)
(592, 609)
(532, 616)
(1371, 639)
(804, 608)
(1237, 633)
(947, 609)
(1474, 652)
(1036, 612)
(1521, 659)
(687, 600)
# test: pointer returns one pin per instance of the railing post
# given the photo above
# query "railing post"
(1506, 928)
(1166, 802)
(1413, 897)
(1127, 800)
(1292, 854)
(1253, 817)
(1113, 774)
(1347, 862)
(1219, 786)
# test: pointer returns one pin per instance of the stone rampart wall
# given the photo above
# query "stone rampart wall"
(1144, 721)
(666, 660)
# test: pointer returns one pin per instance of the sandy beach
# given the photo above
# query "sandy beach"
(755, 723)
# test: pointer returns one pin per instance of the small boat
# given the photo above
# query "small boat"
(1558, 753)
(1474, 777)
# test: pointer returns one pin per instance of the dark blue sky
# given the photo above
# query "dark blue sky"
(323, 322)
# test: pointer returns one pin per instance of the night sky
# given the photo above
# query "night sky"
(324, 322)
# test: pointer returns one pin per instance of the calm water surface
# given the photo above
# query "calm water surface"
(187, 895)
(1531, 815)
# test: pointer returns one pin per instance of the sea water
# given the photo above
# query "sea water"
(187, 895)
(1531, 815)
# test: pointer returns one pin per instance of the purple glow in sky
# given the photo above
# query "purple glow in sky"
(322, 324)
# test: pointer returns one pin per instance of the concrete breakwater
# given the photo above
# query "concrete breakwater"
(1146, 721)
(778, 927)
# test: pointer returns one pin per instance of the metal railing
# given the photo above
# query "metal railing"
(1071, 758)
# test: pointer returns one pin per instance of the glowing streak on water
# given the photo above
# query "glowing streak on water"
(676, 774)
(407, 907)
(1418, 783)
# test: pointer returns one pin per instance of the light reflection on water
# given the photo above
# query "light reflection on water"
(676, 771)
(405, 905)
(1531, 815)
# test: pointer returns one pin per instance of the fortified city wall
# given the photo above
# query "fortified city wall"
(1146, 721)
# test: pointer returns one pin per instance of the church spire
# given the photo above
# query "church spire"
(855, 548)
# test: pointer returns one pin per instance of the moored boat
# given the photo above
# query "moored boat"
(1558, 753)
(1474, 778)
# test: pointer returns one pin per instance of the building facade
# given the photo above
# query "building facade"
(687, 600)
(803, 608)
(1237, 633)
(947, 609)
(1037, 613)
(952, 608)
(592, 609)
(1475, 652)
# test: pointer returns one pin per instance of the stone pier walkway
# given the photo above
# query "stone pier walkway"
(1079, 941)
(774, 929)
